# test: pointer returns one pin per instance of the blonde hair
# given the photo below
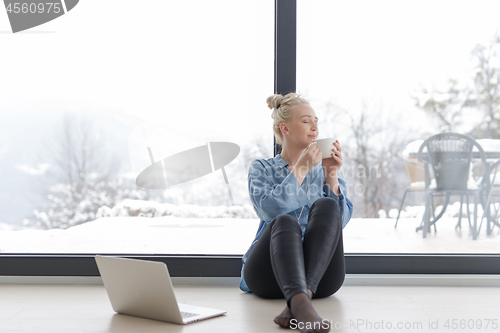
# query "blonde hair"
(282, 110)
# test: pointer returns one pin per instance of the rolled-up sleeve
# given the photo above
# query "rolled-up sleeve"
(269, 198)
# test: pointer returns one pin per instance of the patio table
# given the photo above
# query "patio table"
(491, 148)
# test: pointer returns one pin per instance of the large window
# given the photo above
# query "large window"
(385, 75)
(114, 89)
(93, 99)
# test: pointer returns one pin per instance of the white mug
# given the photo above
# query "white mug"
(326, 146)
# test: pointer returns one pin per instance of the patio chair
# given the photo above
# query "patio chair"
(415, 172)
(450, 155)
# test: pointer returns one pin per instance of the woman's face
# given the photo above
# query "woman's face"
(303, 127)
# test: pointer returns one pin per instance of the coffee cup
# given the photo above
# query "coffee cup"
(326, 146)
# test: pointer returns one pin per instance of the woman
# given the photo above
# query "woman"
(298, 251)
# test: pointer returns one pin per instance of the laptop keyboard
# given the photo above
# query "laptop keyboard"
(187, 314)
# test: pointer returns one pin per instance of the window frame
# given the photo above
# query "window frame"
(230, 265)
(64, 264)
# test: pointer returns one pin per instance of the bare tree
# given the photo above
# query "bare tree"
(486, 92)
(481, 94)
(83, 176)
(372, 166)
(78, 153)
(258, 147)
(445, 106)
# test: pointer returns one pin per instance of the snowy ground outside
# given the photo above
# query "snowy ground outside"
(176, 235)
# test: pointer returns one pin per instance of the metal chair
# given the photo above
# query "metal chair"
(449, 155)
(416, 174)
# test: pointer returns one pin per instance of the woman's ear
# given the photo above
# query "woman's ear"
(283, 128)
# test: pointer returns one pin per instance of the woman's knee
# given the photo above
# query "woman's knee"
(285, 222)
(328, 206)
(326, 201)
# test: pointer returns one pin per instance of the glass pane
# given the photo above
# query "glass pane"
(171, 90)
(383, 76)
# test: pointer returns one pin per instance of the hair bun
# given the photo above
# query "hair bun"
(274, 101)
(282, 107)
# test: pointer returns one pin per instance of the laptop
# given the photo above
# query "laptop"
(143, 288)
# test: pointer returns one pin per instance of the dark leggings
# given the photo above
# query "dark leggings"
(280, 265)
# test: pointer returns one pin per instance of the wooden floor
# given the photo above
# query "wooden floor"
(85, 308)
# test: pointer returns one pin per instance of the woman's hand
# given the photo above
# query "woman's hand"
(310, 157)
(333, 164)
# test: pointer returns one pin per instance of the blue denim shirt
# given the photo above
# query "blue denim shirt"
(274, 190)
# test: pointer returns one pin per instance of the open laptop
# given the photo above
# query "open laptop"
(143, 288)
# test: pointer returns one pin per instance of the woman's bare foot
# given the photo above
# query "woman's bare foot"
(283, 319)
(305, 318)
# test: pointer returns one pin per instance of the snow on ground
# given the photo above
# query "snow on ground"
(167, 234)
(174, 235)
(136, 226)
(380, 236)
